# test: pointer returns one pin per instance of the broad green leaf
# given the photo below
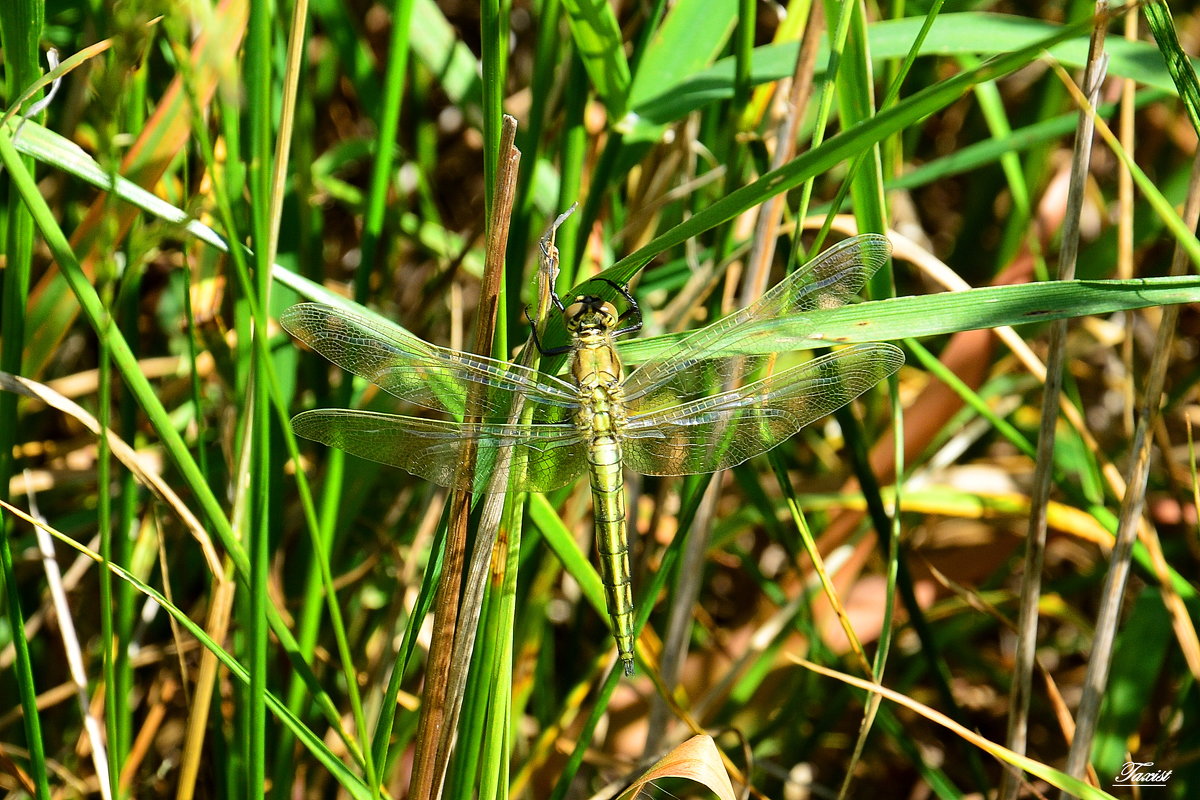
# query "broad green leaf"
(896, 318)
(690, 38)
(598, 39)
(563, 543)
(970, 33)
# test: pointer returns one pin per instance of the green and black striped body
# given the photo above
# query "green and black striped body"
(664, 419)
(597, 372)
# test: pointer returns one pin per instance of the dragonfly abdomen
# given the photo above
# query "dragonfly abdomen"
(612, 541)
(601, 417)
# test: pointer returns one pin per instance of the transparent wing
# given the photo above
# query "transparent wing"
(722, 431)
(537, 457)
(691, 367)
(426, 375)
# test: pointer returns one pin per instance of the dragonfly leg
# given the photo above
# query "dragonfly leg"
(554, 298)
(537, 341)
(634, 309)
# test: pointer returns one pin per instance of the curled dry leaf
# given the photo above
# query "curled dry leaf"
(697, 759)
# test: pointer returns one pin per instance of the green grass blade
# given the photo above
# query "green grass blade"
(856, 106)
(21, 25)
(436, 45)
(260, 111)
(845, 145)
(972, 156)
(1180, 67)
(562, 542)
(949, 312)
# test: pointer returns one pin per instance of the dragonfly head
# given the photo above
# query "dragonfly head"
(590, 314)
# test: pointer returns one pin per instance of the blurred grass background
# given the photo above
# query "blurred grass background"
(262, 629)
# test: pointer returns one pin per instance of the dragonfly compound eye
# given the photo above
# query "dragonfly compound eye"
(590, 312)
(574, 312)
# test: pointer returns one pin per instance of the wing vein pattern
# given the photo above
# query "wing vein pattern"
(723, 430)
(544, 453)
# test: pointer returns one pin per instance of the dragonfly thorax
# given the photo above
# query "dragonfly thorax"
(590, 314)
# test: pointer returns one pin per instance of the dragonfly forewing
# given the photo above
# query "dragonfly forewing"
(712, 357)
(424, 374)
(726, 429)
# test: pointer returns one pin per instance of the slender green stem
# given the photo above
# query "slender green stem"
(572, 154)
(114, 704)
(19, 21)
(385, 148)
(258, 86)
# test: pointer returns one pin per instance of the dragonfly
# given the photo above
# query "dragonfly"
(707, 401)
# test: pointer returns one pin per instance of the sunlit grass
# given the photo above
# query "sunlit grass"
(263, 617)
